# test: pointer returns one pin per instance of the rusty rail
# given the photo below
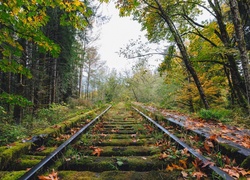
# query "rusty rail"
(191, 150)
(29, 174)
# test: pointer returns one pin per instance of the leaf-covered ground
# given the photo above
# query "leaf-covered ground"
(215, 129)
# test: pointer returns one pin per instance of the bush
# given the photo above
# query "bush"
(79, 102)
(214, 114)
(10, 133)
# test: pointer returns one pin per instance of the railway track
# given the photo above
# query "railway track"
(120, 143)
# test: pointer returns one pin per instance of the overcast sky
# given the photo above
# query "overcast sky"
(115, 35)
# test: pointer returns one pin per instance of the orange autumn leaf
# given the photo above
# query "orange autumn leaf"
(97, 151)
(213, 137)
(175, 166)
(183, 162)
(185, 152)
(52, 176)
(169, 168)
(197, 162)
(227, 160)
(199, 175)
(163, 155)
(208, 145)
(231, 172)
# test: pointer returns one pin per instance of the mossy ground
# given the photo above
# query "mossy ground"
(10, 154)
(5, 175)
(120, 175)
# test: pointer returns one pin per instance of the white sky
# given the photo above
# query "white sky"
(115, 35)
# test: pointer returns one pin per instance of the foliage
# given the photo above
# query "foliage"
(14, 99)
(29, 32)
(214, 114)
(73, 103)
(10, 133)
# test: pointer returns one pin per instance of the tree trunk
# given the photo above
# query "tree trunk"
(184, 54)
(238, 83)
(80, 81)
(241, 46)
(54, 81)
(18, 110)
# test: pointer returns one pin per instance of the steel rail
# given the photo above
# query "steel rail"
(191, 150)
(29, 174)
(242, 151)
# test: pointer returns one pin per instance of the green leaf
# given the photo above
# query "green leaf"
(119, 163)
(14, 99)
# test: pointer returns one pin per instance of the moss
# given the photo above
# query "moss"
(13, 153)
(26, 161)
(2, 148)
(122, 142)
(45, 152)
(72, 175)
(12, 175)
(124, 151)
(246, 163)
(228, 148)
(156, 175)
(119, 175)
(100, 164)
(52, 131)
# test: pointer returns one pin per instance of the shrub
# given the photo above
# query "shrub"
(79, 102)
(10, 133)
(214, 114)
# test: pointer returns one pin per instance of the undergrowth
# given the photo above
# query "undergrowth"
(233, 117)
(41, 119)
(214, 114)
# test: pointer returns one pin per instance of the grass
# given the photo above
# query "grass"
(43, 118)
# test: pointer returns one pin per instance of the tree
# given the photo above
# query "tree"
(91, 66)
(26, 48)
(154, 15)
(239, 33)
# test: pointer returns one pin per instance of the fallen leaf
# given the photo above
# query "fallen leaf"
(42, 148)
(56, 126)
(103, 135)
(213, 137)
(231, 172)
(184, 174)
(97, 151)
(197, 162)
(163, 155)
(52, 176)
(169, 168)
(208, 163)
(183, 162)
(199, 175)
(175, 166)
(227, 160)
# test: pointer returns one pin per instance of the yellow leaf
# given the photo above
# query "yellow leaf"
(29, 19)
(77, 3)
